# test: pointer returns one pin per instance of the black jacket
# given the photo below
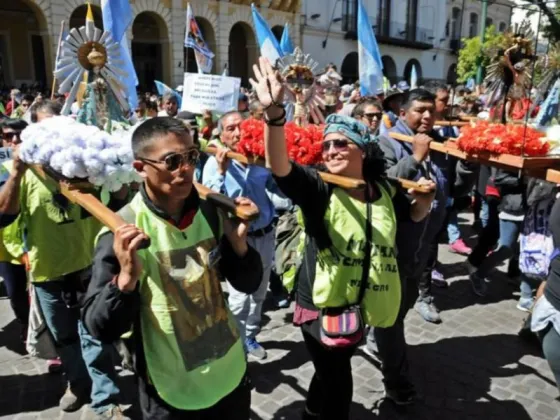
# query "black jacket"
(512, 191)
(108, 313)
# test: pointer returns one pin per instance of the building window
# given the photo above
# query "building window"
(473, 25)
(349, 15)
(489, 22)
(456, 17)
(502, 27)
(383, 18)
(411, 20)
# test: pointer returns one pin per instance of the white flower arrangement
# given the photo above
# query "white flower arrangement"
(75, 150)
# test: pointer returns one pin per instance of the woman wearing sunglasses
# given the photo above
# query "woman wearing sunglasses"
(349, 261)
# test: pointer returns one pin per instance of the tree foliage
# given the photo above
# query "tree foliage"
(470, 53)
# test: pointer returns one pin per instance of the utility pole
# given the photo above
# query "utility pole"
(482, 36)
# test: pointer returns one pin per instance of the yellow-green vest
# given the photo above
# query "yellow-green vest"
(193, 352)
(59, 235)
(337, 280)
(11, 237)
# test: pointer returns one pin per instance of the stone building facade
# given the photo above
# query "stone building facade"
(30, 31)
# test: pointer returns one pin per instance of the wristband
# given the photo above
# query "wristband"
(278, 121)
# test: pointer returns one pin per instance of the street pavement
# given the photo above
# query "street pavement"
(472, 366)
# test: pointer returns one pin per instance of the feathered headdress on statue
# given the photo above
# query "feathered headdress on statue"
(89, 51)
(510, 62)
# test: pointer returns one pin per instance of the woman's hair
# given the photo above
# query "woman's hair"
(373, 168)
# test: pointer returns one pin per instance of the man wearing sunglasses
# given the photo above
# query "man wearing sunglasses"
(234, 180)
(11, 132)
(189, 359)
(369, 111)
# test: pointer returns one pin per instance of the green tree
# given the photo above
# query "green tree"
(470, 53)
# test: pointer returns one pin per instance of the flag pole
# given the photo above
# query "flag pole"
(187, 29)
(57, 57)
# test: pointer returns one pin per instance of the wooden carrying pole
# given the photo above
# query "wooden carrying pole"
(341, 181)
(77, 194)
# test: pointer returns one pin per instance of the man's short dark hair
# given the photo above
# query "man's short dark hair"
(420, 95)
(28, 98)
(48, 107)
(434, 87)
(363, 103)
(15, 124)
(220, 126)
(154, 128)
(151, 105)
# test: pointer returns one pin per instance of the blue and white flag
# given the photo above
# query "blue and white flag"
(549, 108)
(286, 42)
(162, 89)
(470, 84)
(413, 78)
(370, 64)
(117, 17)
(194, 39)
(57, 65)
(267, 41)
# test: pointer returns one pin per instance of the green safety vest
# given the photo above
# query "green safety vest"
(11, 237)
(337, 280)
(59, 235)
(193, 352)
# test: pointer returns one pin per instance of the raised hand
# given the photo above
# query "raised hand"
(268, 84)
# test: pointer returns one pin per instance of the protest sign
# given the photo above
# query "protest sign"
(203, 92)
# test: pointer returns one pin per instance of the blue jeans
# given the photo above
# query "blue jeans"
(527, 285)
(484, 211)
(86, 362)
(507, 245)
(453, 232)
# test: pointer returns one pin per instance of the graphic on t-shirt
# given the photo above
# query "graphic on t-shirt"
(203, 328)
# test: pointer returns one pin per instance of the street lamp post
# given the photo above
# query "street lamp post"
(482, 36)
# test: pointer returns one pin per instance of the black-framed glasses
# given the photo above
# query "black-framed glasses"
(176, 161)
(340, 145)
(9, 136)
(371, 115)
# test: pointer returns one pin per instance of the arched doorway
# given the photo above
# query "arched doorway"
(278, 31)
(210, 37)
(389, 69)
(452, 74)
(78, 16)
(242, 52)
(24, 46)
(408, 70)
(349, 68)
(150, 50)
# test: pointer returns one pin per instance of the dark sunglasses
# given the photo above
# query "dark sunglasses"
(10, 136)
(371, 115)
(340, 145)
(175, 161)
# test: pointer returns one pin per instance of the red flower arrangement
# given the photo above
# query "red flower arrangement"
(304, 143)
(502, 139)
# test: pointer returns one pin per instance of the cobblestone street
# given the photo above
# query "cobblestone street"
(473, 365)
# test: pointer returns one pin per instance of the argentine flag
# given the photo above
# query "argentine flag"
(117, 17)
(413, 78)
(267, 41)
(370, 65)
(286, 42)
(549, 108)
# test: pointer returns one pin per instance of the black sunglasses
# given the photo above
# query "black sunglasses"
(371, 115)
(175, 161)
(340, 145)
(10, 135)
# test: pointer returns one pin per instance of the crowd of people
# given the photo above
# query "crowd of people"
(363, 257)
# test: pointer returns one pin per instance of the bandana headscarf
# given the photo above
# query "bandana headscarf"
(355, 130)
